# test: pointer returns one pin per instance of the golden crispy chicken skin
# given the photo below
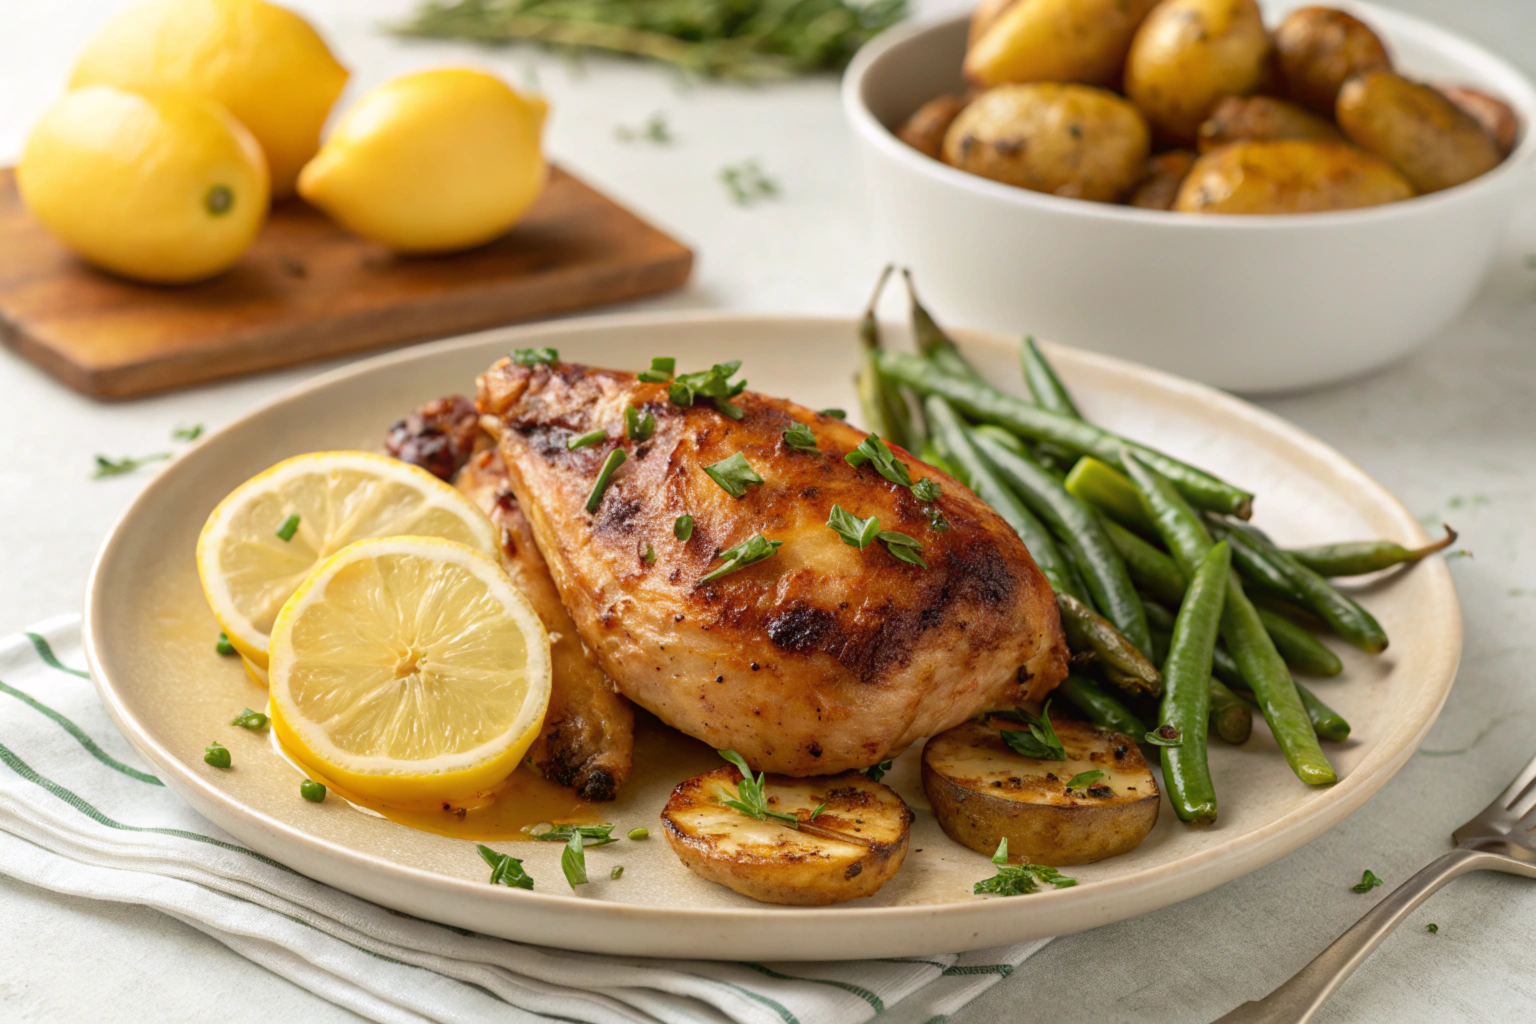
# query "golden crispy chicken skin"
(587, 740)
(820, 658)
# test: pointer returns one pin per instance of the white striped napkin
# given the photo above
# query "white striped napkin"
(80, 814)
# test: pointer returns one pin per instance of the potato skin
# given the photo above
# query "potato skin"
(1288, 176)
(1262, 119)
(1052, 40)
(924, 130)
(1159, 186)
(1498, 118)
(1318, 48)
(1432, 141)
(1068, 140)
(1190, 53)
(981, 791)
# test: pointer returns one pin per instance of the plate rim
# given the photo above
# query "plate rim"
(350, 869)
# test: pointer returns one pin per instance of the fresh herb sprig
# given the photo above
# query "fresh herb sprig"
(600, 835)
(1019, 879)
(800, 438)
(875, 451)
(856, 532)
(748, 552)
(902, 548)
(1039, 739)
(750, 798)
(573, 861)
(505, 870)
(734, 475)
(751, 40)
(876, 772)
(714, 384)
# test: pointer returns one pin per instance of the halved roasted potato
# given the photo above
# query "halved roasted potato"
(850, 849)
(982, 792)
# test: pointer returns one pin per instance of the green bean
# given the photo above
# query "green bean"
(1124, 664)
(1357, 558)
(1253, 551)
(987, 403)
(1326, 722)
(1111, 492)
(1100, 707)
(885, 411)
(1150, 569)
(1261, 666)
(1187, 687)
(932, 341)
(1300, 649)
(1075, 525)
(1231, 719)
(1043, 383)
(1159, 617)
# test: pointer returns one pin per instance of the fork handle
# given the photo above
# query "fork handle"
(1298, 999)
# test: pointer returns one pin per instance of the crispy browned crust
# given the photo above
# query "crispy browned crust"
(439, 436)
(819, 659)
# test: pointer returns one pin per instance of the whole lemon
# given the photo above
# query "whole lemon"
(166, 188)
(267, 65)
(432, 162)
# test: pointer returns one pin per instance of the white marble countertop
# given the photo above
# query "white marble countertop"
(1452, 431)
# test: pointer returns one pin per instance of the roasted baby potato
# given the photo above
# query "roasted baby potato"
(849, 850)
(1432, 141)
(1159, 185)
(982, 792)
(1497, 117)
(1068, 140)
(1190, 53)
(1317, 48)
(1052, 40)
(1288, 176)
(1262, 119)
(924, 130)
(982, 17)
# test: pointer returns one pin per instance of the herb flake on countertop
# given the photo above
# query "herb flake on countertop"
(191, 433)
(654, 129)
(747, 183)
(1368, 881)
(127, 464)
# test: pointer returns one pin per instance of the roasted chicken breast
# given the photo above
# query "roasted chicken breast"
(818, 658)
(587, 740)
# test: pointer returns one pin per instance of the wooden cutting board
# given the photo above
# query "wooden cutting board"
(307, 290)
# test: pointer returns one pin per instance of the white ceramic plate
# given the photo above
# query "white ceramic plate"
(150, 638)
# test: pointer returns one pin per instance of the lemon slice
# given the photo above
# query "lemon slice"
(409, 670)
(247, 568)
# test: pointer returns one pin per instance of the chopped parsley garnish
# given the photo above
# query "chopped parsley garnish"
(653, 130)
(750, 798)
(927, 489)
(877, 452)
(289, 527)
(800, 438)
(216, 754)
(859, 533)
(876, 772)
(817, 812)
(662, 368)
(936, 520)
(617, 872)
(639, 833)
(614, 460)
(744, 554)
(748, 183)
(224, 647)
(638, 426)
(734, 475)
(683, 528)
(534, 356)
(601, 835)
(1368, 881)
(902, 548)
(505, 870)
(312, 791)
(126, 464)
(573, 861)
(1040, 741)
(576, 441)
(1164, 736)
(1083, 780)
(837, 414)
(1432, 928)
(1019, 879)
(191, 433)
(248, 719)
(713, 384)
(649, 558)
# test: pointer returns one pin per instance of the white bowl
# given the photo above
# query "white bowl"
(1253, 304)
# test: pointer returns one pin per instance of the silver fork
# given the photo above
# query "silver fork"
(1498, 839)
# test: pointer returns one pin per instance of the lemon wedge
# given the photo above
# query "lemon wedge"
(323, 502)
(409, 670)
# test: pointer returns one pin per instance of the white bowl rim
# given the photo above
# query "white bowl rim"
(870, 127)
